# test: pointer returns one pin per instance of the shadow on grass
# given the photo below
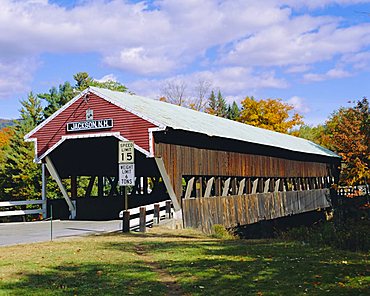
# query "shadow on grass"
(240, 267)
(87, 279)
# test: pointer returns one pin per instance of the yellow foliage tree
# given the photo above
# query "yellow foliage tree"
(271, 114)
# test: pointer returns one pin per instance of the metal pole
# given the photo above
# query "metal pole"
(51, 222)
(126, 199)
(43, 190)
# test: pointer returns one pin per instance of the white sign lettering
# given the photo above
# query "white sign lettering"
(89, 125)
(126, 174)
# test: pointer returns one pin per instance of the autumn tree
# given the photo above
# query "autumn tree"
(347, 132)
(272, 114)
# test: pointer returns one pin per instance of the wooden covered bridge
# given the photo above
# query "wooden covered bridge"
(213, 169)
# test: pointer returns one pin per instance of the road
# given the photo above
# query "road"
(31, 232)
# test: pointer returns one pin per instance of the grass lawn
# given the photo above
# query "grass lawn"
(163, 262)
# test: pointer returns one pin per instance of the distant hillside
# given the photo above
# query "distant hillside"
(6, 122)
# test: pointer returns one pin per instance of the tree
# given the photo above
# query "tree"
(315, 134)
(21, 175)
(221, 109)
(233, 111)
(212, 104)
(199, 101)
(174, 92)
(57, 97)
(272, 114)
(347, 132)
(84, 80)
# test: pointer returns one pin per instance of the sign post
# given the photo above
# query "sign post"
(126, 175)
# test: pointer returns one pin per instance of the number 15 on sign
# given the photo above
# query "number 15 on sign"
(126, 152)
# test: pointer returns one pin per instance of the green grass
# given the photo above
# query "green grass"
(154, 262)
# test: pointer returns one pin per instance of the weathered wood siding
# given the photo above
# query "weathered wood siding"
(183, 160)
(230, 211)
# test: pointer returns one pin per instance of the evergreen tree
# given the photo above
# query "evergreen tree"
(233, 111)
(221, 109)
(212, 104)
(56, 98)
(21, 176)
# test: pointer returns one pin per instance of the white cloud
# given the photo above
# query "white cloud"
(334, 73)
(299, 104)
(232, 82)
(244, 40)
(141, 61)
(108, 77)
(15, 76)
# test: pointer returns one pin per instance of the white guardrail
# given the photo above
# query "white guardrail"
(8, 204)
(149, 217)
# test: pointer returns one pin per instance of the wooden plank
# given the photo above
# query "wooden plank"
(241, 187)
(226, 187)
(20, 212)
(12, 203)
(207, 193)
(266, 186)
(254, 186)
(189, 188)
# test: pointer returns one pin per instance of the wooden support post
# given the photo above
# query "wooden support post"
(156, 214)
(145, 184)
(167, 182)
(113, 186)
(189, 187)
(90, 186)
(200, 186)
(207, 193)
(73, 186)
(142, 226)
(241, 187)
(168, 210)
(248, 189)
(261, 184)
(234, 186)
(126, 221)
(53, 172)
(225, 190)
(218, 186)
(254, 186)
(266, 186)
(277, 185)
(100, 186)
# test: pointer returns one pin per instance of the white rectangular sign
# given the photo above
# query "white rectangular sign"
(126, 174)
(126, 152)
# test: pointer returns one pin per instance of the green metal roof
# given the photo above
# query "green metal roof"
(180, 118)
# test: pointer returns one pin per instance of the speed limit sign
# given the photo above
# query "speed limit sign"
(126, 152)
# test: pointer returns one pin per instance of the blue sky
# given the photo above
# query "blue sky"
(313, 54)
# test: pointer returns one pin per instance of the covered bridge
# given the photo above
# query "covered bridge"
(182, 154)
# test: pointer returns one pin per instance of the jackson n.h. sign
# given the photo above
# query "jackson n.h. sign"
(89, 125)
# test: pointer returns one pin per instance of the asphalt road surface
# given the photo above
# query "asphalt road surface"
(31, 232)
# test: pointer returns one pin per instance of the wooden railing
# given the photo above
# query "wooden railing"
(231, 211)
(21, 203)
(148, 215)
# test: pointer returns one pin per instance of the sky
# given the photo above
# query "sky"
(313, 54)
